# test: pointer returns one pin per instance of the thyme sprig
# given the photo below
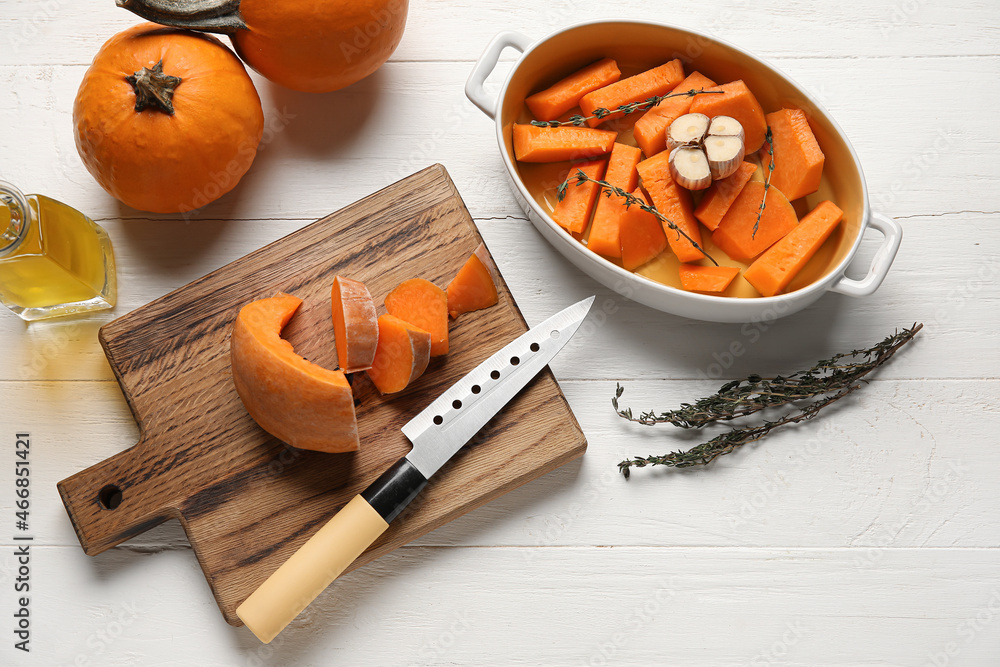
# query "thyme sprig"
(827, 381)
(741, 398)
(769, 138)
(631, 107)
(630, 200)
(728, 442)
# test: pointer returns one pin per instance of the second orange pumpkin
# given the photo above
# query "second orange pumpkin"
(315, 47)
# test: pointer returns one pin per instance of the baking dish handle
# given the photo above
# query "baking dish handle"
(486, 64)
(893, 234)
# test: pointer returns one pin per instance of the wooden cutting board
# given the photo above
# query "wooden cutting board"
(246, 500)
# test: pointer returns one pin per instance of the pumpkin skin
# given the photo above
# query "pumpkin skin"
(296, 401)
(160, 162)
(319, 46)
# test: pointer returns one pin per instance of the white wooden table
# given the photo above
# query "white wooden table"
(868, 537)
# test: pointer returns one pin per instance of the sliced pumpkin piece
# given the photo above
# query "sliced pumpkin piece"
(563, 95)
(673, 202)
(798, 159)
(424, 305)
(402, 355)
(710, 279)
(641, 235)
(722, 194)
(773, 270)
(656, 81)
(474, 286)
(604, 238)
(573, 212)
(555, 144)
(295, 400)
(355, 324)
(735, 235)
(650, 130)
(736, 101)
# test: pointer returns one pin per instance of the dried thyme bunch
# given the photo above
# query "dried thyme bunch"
(827, 381)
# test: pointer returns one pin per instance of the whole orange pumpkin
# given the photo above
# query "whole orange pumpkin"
(167, 120)
(316, 46)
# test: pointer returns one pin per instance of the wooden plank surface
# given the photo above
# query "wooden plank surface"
(459, 29)
(872, 546)
(567, 607)
(246, 500)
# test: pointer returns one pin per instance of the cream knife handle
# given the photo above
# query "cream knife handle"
(327, 554)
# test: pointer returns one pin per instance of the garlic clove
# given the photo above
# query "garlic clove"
(724, 155)
(687, 130)
(689, 168)
(725, 126)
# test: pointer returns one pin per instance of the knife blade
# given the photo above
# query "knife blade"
(436, 433)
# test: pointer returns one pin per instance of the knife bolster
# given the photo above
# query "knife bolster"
(394, 489)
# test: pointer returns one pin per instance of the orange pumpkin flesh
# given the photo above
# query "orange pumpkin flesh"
(294, 400)
(355, 324)
(402, 356)
(158, 161)
(425, 305)
(474, 286)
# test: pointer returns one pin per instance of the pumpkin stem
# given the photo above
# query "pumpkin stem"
(219, 16)
(154, 88)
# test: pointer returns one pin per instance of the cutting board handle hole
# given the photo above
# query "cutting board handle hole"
(110, 497)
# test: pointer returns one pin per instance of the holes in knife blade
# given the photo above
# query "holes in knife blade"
(554, 333)
(109, 497)
(495, 375)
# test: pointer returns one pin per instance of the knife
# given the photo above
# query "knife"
(437, 433)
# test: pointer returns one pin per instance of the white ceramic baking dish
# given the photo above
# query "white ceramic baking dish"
(546, 60)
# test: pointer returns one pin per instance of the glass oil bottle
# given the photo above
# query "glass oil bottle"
(54, 260)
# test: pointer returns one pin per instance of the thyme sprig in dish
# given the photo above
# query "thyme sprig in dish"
(578, 120)
(769, 140)
(579, 178)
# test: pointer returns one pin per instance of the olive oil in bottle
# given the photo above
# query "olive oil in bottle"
(54, 260)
